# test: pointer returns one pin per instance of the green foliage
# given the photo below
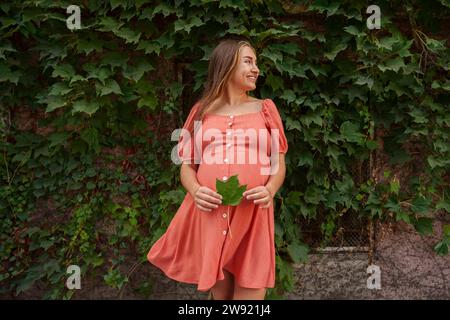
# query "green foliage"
(345, 93)
(230, 190)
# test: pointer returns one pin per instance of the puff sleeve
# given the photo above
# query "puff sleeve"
(186, 143)
(273, 121)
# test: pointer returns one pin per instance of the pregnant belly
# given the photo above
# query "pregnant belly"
(251, 175)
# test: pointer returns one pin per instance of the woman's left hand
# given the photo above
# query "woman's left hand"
(261, 195)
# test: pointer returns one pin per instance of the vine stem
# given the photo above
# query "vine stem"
(6, 165)
(133, 268)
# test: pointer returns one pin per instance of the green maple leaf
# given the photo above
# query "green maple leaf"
(230, 190)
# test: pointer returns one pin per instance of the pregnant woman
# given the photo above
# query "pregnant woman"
(224, 249)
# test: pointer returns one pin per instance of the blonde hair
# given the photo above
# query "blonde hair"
(222, 63)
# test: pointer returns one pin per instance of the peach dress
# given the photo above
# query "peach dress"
(199, 245)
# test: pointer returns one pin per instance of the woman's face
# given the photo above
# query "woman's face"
(246, 71)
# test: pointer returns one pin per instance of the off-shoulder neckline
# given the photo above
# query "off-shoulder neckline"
(239, 115)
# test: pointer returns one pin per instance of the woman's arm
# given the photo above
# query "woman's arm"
(188, 177)
(205, 199)
(276, 181)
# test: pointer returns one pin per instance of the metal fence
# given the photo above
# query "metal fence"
(351, 231)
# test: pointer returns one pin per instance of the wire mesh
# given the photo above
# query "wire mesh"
(351, 228)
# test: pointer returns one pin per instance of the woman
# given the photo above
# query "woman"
(228, 250)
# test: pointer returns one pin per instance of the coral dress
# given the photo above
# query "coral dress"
(199, 245)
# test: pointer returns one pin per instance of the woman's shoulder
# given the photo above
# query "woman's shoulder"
(265, 104)
(270, 110)
(268, 105)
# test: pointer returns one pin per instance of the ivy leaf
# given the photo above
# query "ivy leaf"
(400, 215)
(235, 4)
(137, 71)
(163, 8)
(90, 136)
(6, 46)
(424, 225)
(87, 46)
(187, 25)
(305, 158)
(443, 204)
(435, 162)
(441, 248)
(372, 144)
(313, 194)
(333, 151)
(117, 3)
(272, 55)
(109, 24)
(58, 138)
(311, 117)
(274, 82)
(393, 64)
(421, 204)
(115, 59)
(89, 107)
(55, 102)
(354, 31)
(289, 96)
(6, 74)
(59, 89)
(387, 42)
(130, 36)
(230, 190)
(290, 48)
(298, 252)
(99, 73)
(293, 124)
(366, 80)
(354, 92)
(330, 55)
(149, 47)
(350, 132)
(166, 40)
(111, 86)
(65, 71)
(149, 101)
(394, 186)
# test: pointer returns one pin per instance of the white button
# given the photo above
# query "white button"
(226, 160)
(224, 215)
(228, 145)
(231, 117)
(229, 133)
(224, 178)
(230, 123)
(224, 232)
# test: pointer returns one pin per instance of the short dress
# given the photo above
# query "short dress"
(197, 245)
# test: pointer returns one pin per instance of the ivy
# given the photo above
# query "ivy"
(88, 176)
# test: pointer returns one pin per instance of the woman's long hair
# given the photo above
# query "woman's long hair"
(222, 63)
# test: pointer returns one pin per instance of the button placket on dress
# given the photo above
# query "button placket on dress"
(226, 160)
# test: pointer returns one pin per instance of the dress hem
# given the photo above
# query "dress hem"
(241, 283)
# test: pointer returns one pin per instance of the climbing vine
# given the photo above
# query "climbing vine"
(86, 116)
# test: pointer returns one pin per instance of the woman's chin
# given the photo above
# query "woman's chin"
(251, 87)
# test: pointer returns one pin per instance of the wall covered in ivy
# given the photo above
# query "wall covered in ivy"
(86, 117)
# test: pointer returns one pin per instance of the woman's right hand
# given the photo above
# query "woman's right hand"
(207, 199)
